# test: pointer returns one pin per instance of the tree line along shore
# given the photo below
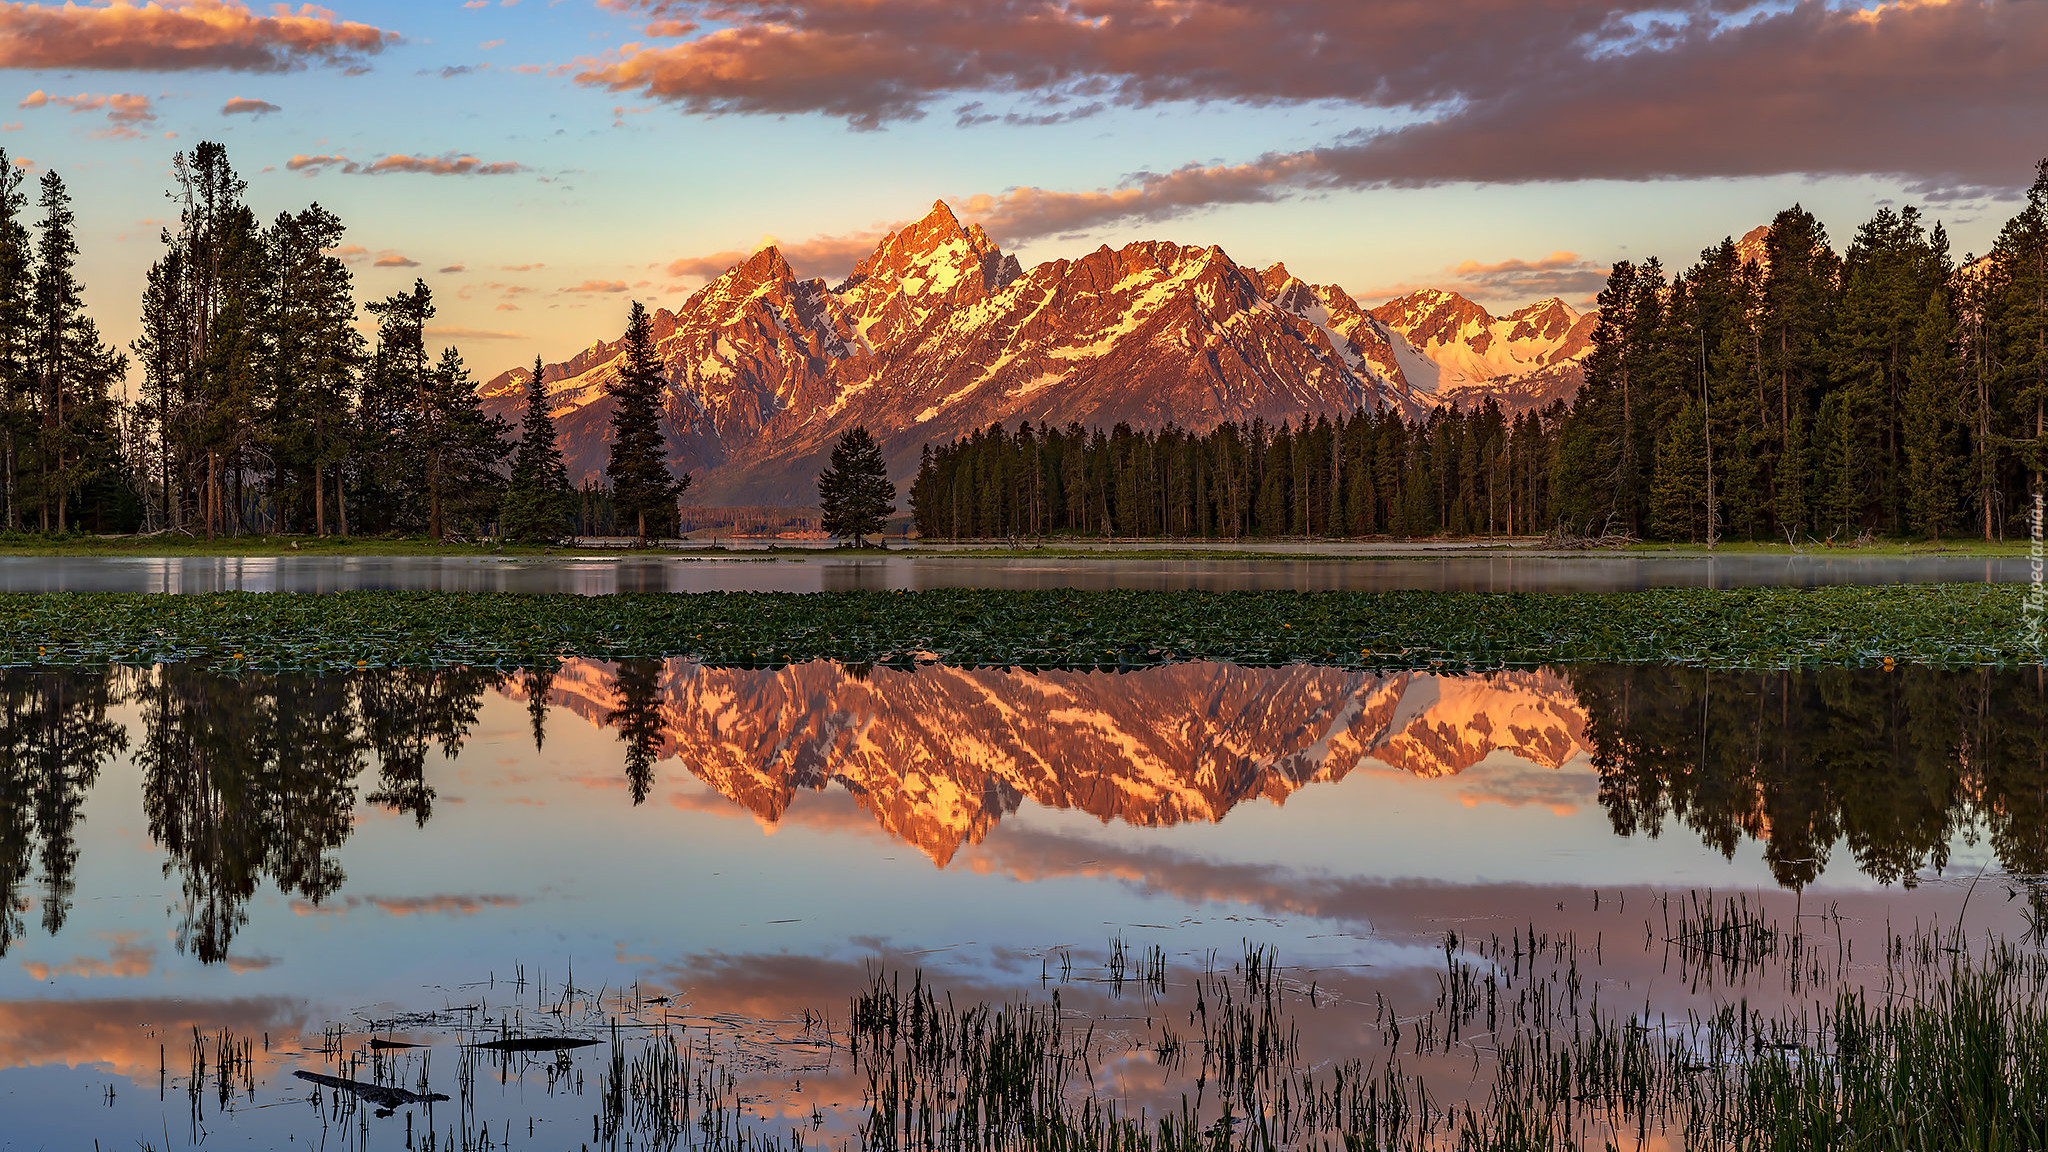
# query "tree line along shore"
(1788, 394)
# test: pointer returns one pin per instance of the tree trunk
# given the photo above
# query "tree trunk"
(319, 500)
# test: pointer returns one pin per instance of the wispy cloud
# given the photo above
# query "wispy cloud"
(449, 164)
(1565, 275)
(248, 106)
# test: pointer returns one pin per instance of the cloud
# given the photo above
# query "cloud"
(244, 105)
(449, 164)
(599, 286)
(1534, 90)
(349, 252)
(128, 113)
(390, 259)
(1565, 275)
(313, 164)
(452, 269)
(818, 256)
(178, 35)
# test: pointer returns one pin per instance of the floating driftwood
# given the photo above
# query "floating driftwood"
(383, 1044)
(386, 1098)
(535, 1044)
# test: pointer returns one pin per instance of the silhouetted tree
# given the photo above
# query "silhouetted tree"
(854, 492)
(642, 487)
(537, 501)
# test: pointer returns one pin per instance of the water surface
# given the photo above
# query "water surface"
(598, 574)
(439, 855)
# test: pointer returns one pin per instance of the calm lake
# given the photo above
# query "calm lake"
(598, 574)
(210, 884)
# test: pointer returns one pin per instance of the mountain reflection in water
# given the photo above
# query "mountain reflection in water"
(259, 777)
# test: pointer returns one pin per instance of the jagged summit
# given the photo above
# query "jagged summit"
(939, 332)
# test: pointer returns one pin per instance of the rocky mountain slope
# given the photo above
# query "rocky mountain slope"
(940, 332)
(939, 755)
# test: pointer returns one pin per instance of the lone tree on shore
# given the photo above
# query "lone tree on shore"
(854, 492)
(641, 484)
(537, 500)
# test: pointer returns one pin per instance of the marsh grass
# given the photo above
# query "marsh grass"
(1937, 1042)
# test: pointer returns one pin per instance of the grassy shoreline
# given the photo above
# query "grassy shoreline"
(1761, 628)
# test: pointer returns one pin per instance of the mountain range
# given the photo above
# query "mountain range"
(940, 332)
(938, 755)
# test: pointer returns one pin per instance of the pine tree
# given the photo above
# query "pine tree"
(73, 368)
(1678, 493)
(854, 492)
(17, 280)
(2022, 330)
(397, 422)
(637, 470)
(468, 446)
(316, 355)
(1933, 453)
(538, 498)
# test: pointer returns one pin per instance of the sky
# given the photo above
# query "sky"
(540, 163)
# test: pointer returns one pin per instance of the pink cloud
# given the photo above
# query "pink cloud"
(599, 286)
(176, 35)
(1934, 91)
(390, 259)
(445, 165)
(128, 113)
(244, 105)
(1565, 275)
(818, 256)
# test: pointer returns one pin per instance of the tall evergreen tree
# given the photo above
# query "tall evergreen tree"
(17, 281)
(468, 446)
(637, 470)
(537, 501)
(73, 367)
(1931, 430)
(2022, 331)
(854, 492)
(401, 466)
(316, 355)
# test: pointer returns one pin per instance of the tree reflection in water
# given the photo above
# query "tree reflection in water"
(54, 737)
(1893, 765)
(255, 778)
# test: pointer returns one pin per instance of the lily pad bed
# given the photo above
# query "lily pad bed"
(1941, 624)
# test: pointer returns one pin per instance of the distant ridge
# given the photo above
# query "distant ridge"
(939, 332)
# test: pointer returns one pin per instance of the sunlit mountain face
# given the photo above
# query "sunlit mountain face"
(939, 333)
